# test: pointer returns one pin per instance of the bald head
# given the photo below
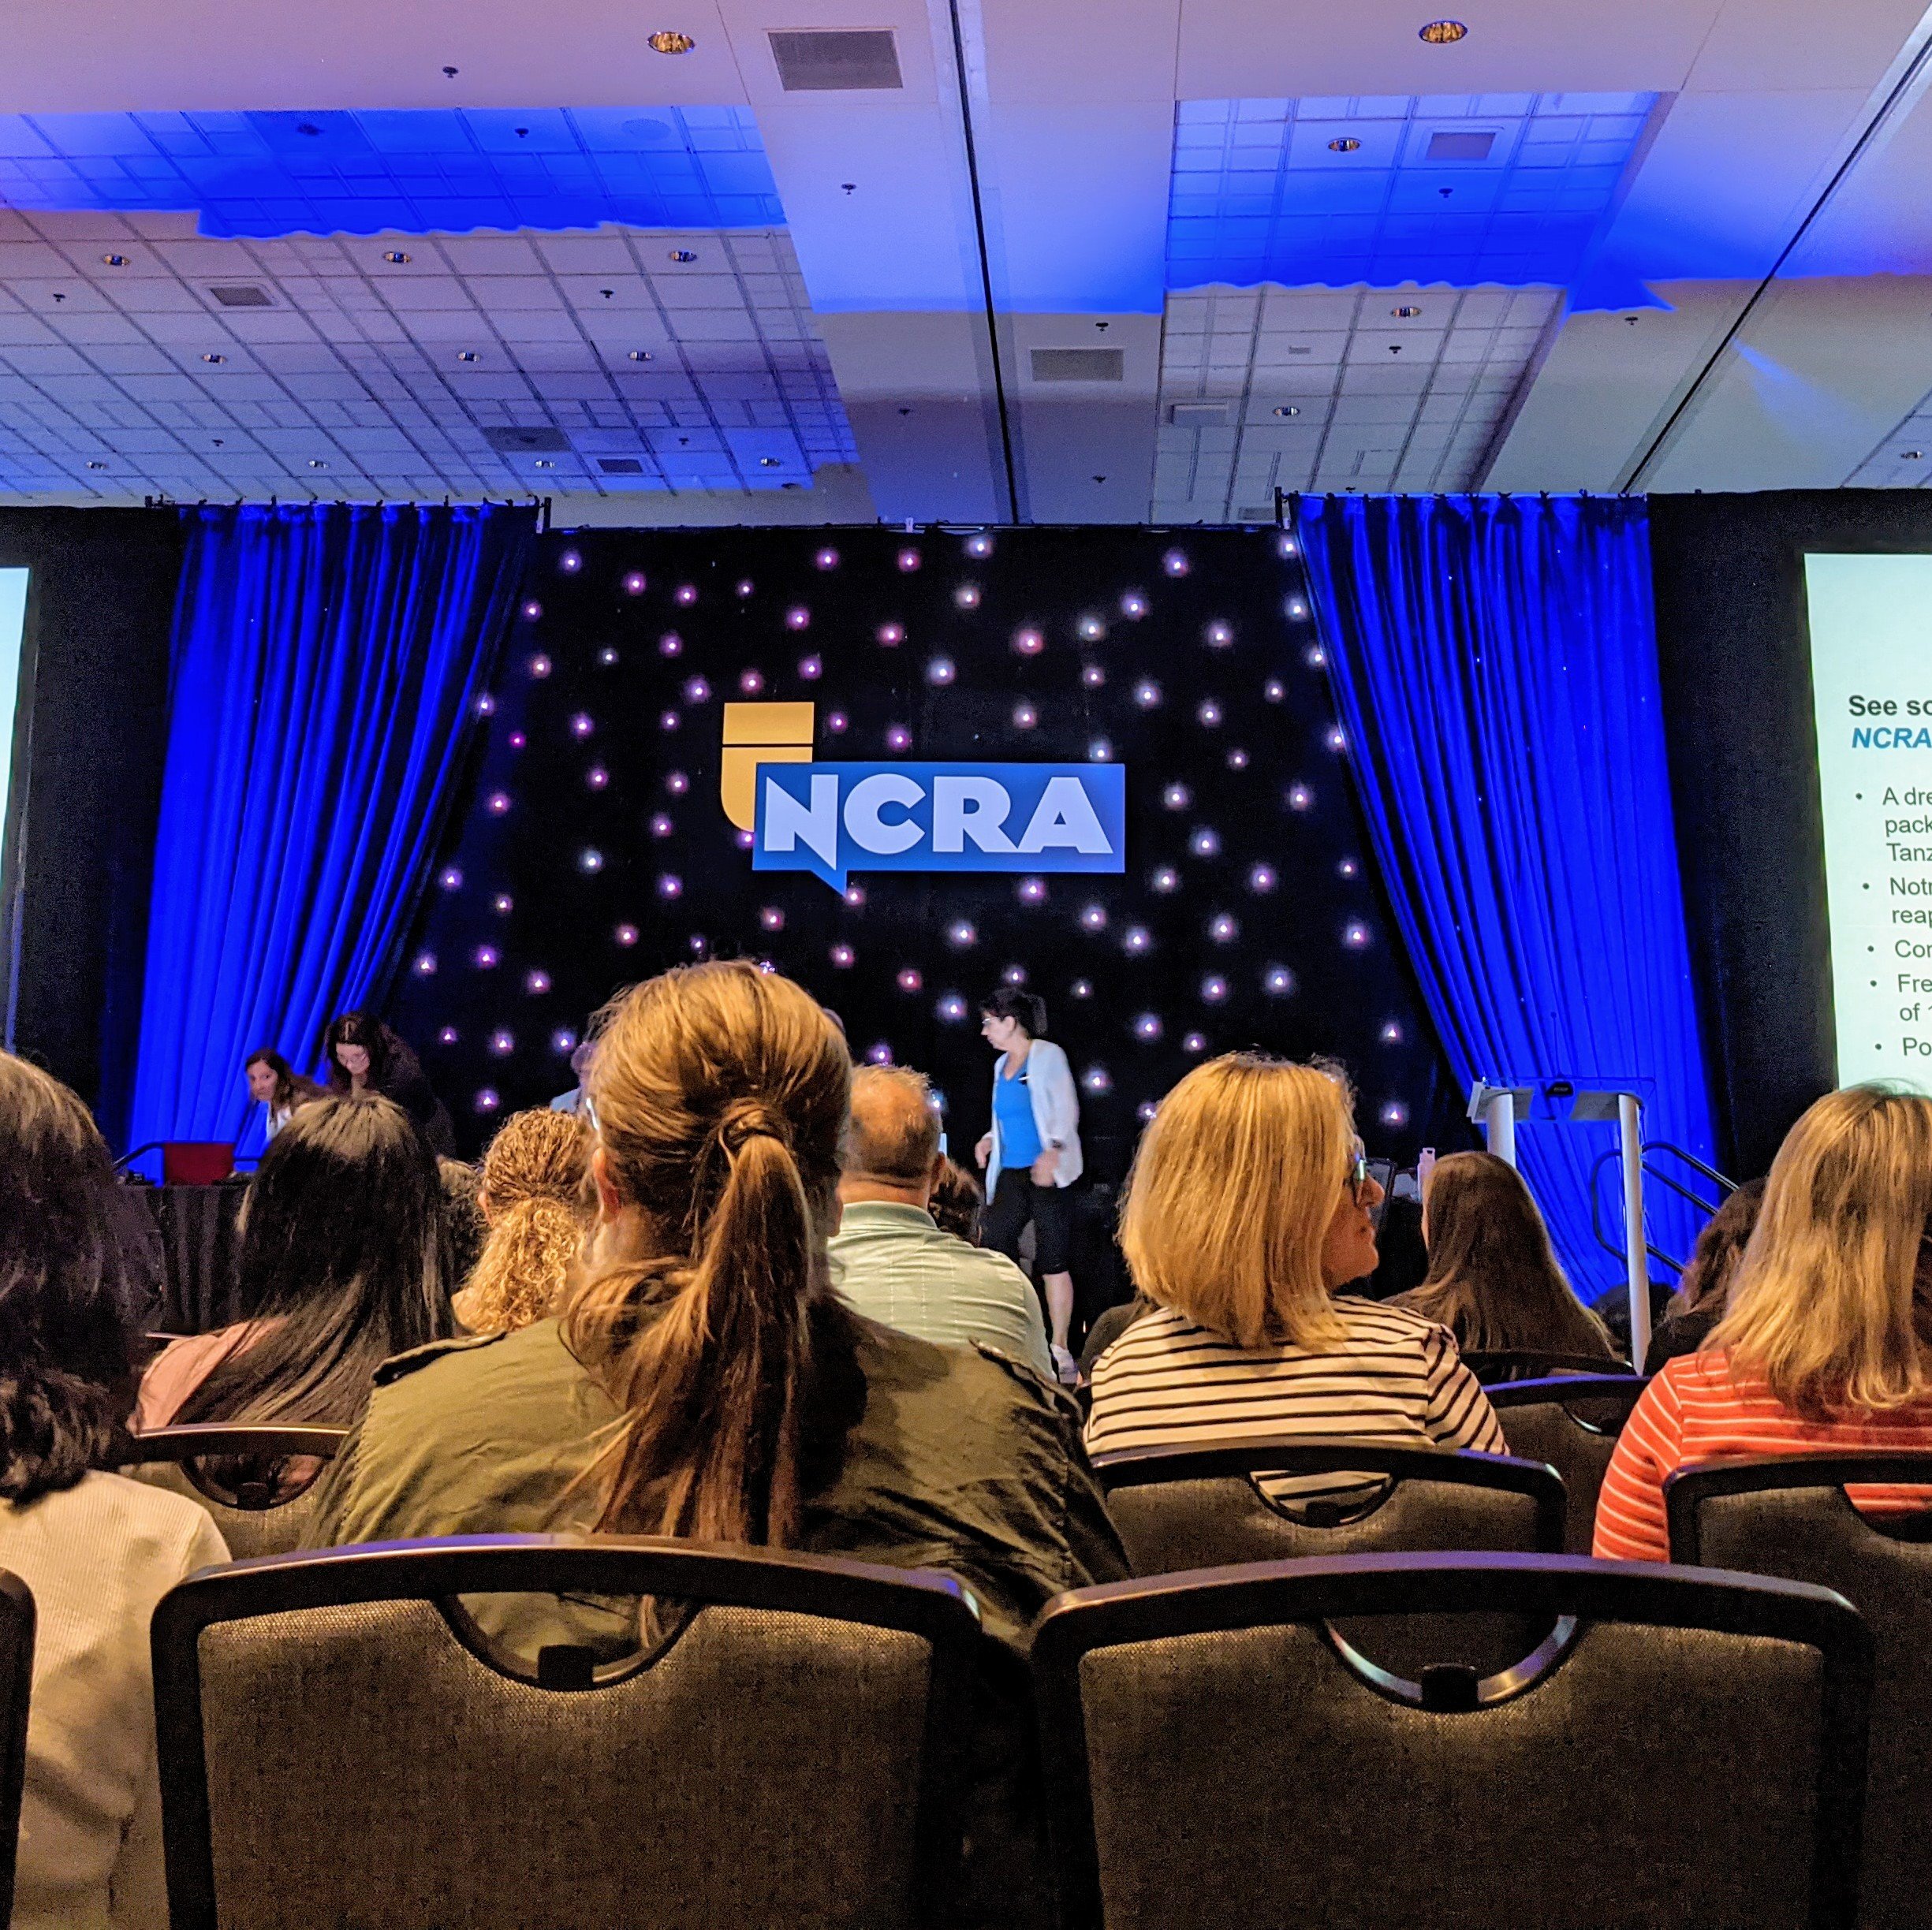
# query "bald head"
(891, 1149)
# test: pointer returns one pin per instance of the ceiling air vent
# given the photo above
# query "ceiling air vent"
(620, 465)
(242, 295)
(1080, 365)
(1256, 512)
(835, 62)
(1198, 415)
(526, 441)
(1452, 144)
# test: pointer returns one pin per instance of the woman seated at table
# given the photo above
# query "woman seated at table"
(274, 1083)
(344, 1261)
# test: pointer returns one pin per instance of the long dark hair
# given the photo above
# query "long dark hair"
(344, 1255)
(79, 1263)
(1492, 1280)
(1706, 1279)
(365, 1029)
(720, 1093)
(291, 1089)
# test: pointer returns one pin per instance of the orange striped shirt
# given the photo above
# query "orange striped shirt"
(1693, 1411)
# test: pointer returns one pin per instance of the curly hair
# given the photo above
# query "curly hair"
(532, 1182)
(79, 1263)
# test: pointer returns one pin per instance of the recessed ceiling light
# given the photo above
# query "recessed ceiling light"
(1443, 32)
(670, 42)
(542, 464)
(396, 258)
(212, 356)
(1408, 312)
(97, 465)
(767, 462)
(1289, 408)
(315, 462)
(466, 354)
(640, 355)
(1344, 143)
(115, 261)
(1914, 456)
(683, 255)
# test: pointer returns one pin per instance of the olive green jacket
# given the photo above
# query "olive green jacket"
(963, 1460)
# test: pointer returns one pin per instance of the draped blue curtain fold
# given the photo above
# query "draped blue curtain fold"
(1494, 663)
(326, 659)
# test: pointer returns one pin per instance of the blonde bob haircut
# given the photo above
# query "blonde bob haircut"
(1229, 1200)
(1823, 1302)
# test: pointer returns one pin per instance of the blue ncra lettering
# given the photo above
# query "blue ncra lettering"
(1891, 737)
(833, 819)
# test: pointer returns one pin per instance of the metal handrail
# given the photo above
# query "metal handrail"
(1615, 1247)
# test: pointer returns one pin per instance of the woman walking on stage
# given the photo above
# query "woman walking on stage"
(1032, 1154)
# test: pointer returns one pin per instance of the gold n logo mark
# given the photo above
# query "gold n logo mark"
(755, 734)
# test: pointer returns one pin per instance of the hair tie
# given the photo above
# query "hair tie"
(750, 1119)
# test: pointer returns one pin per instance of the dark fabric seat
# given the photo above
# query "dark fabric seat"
(1498, 1368)
(1215, 1757)
(340, 1745)
(16, 1683)
(1199, 1507)
(1572, 1421)
(1790, 1516)
(258, 1483)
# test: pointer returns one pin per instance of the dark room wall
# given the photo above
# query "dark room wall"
(100, 602)
(1735, 653)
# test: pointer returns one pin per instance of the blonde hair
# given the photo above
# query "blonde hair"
(532, 1186)
(719, 1092)
(1821, 1304)
(1229, 1200)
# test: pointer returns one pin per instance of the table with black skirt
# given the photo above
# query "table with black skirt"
(200, 1229)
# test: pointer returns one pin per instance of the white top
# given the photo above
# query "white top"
(1168, 1382)
(98, 1557)
(1055, 1110)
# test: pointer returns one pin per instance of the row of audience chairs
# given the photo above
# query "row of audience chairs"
(1475, 1729)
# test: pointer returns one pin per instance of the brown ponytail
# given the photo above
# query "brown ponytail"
(720, 1092)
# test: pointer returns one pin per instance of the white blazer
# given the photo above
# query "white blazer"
(1049, 1081)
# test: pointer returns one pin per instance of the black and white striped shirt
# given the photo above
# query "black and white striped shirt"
(1168, 1382)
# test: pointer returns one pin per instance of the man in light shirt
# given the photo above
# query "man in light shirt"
(890, 1261)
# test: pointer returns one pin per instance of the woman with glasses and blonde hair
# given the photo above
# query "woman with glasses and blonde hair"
(1247, 1206)
(1826, 1343)
(705, 1380)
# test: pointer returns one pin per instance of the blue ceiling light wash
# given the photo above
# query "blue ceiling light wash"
(414, 171)
(1467, 189)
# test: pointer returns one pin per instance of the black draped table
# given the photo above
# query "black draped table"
(199, 1231)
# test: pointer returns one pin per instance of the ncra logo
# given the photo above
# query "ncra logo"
(833, 819)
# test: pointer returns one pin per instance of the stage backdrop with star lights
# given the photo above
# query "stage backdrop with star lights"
(594, 850)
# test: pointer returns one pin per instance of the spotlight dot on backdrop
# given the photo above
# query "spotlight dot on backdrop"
(1336, 739)
(670, 644)
(536, 983)
(966, 596)
(669, 885)
(1177, 797)
(751, 681)
(1093, 918)
(1137, 939)
(581, 725)
(502, 1042)
(1032, 891)
(1315, 657)
(745, 587)
(842, 956)
(940, 670)
(1296, 607)
(626, 935)
(1147, 1027)
(771, 917)
(1285, 546)
(1100, 751)
(879, 1054)
(1208, 714)
(687, 595)
(898, 738)
(696, 690)
(425, 964)
(1214, 989)
(810, 668)
(742, 839)
(1091, 629)
(1205, 842)
(1175, 563)
(1354, 935)
(597, 777)
(634, 584)
(826, 559)
(1262, 879)
(1274, 690)
(540, 665)
(1278, 981)
(961, 932)
(1025, 716)
(517, 740)
(980, 546)
(570, 562)
(952, 1008)
(1147, 693)
(669, 720)
(1193, 1042)
(532, 611)
(908, 561)
(590, 859)
(1166, 879)
(1220, 635)
(1097, 1079)
(502, 904)
(486, 1099)
(1347, 868)
(891, 635)
(447, 1036)
(1028, 642)
(1146, 1111)
(835, 722)
(486, 957)
(1092, 675)
(563, 1042)
(854, 896)
(1237, 760)
(449, 879)
(797, 617)
(676, 783)
(1133, 604)
(909, 979)
(1394, 1113)
(1081, 988)
(608, 656)
(486, 705)
(1223, 930)
(1391, 1034)
(1299, 797)
(1013, 975)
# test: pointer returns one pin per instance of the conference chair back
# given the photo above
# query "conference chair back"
(258, 1483)
(1572, 1421)
(1202, 1507)
(1497, 1367)
(16, 1683)
(1791, 1516)
(1214, 1757)
(340, 1743)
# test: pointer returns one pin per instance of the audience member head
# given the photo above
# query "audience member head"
(344, 1259)
(957, 1205)
(1009, 1016)
(79, 1263)
(718, 1094)
(532, 1197)
(356, 1046)
(1825, 1303)
(890, 1151)
(1248, 1203)
(463, 1214)
(1493, 1280)
(1713, 1260)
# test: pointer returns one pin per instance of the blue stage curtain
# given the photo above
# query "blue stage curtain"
(326, 659)
(1494, 663)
